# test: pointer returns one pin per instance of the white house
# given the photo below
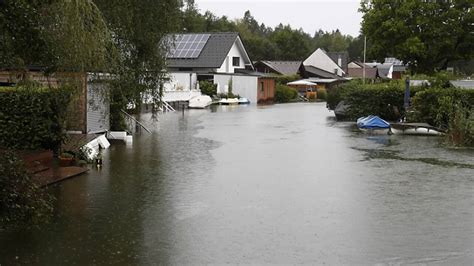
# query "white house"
(218, 57)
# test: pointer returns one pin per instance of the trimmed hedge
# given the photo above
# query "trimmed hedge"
(32, 117)
(383, 99)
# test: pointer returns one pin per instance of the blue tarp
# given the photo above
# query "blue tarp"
(372, 121)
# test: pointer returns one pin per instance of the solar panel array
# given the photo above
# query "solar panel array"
(188, 45)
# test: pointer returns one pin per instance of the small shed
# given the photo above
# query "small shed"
(266, 90)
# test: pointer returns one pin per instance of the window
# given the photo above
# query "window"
(262, 88)
(236, 61)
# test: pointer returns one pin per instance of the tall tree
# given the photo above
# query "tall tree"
(55, 34)
(138, 28)
(426, 34)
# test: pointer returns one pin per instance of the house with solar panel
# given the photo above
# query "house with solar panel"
(220, 58)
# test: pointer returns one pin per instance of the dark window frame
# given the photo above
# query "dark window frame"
(235, 61)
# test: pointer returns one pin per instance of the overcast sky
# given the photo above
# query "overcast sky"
(310, 15)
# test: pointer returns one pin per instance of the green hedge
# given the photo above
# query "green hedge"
(450, 109)
(284, 94)
(32, 117)
(427, 105)
(384, 99)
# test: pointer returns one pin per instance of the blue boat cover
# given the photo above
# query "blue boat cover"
(371, 122)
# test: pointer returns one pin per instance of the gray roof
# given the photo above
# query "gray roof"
(383, 70)
(344, 59)
(399, 68)
(284, 67)
(314, 71)
(213, 54)
(370, 73)
(393, 60)
(466, 84)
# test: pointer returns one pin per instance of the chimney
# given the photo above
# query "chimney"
(339, 61)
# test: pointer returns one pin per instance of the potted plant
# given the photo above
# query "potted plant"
(66, 159)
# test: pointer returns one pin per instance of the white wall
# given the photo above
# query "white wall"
(322, 61)
(181, 82)
(245, 86)
(98, 108)
(227, 65)
(178, 88)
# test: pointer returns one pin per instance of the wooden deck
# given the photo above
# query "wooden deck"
(55, 175)
(45, 170)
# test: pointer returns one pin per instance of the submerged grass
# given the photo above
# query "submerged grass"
(371, 154)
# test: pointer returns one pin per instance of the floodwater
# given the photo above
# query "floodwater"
(282, 184)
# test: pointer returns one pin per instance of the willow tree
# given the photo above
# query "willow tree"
(138, 27)
(58, 35)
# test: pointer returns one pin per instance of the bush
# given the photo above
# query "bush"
(322, 94)
(382, 99)
(284, 94)
(450, 109)
(427, 104)
(208, 88)
(33, 117)
(283, 80)
(21, 201)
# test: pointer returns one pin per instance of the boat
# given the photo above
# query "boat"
(373, 124)
(422, 129)
(243, 100)
(200, 102)
(229, 101)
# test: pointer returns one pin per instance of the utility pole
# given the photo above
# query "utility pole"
(363, 71)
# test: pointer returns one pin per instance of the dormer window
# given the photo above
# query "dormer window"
(236, 61)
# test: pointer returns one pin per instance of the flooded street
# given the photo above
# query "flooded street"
(279, 184)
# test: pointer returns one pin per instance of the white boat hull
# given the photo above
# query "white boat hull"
(229, 101)
(200, 102)
(417, 131)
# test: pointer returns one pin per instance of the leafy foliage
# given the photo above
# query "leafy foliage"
(284, 94)
(426, 34)
(57, 35)
(138, 28)
(283, 80)
(33, 117)
(450, 109)
(21, 201)
(382, 99)
(208, 88)
(430, 105)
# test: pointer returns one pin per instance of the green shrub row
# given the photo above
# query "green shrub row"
(428, 106)
(382, 99)
(451, 109)
(32, 117)
(284, 94)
